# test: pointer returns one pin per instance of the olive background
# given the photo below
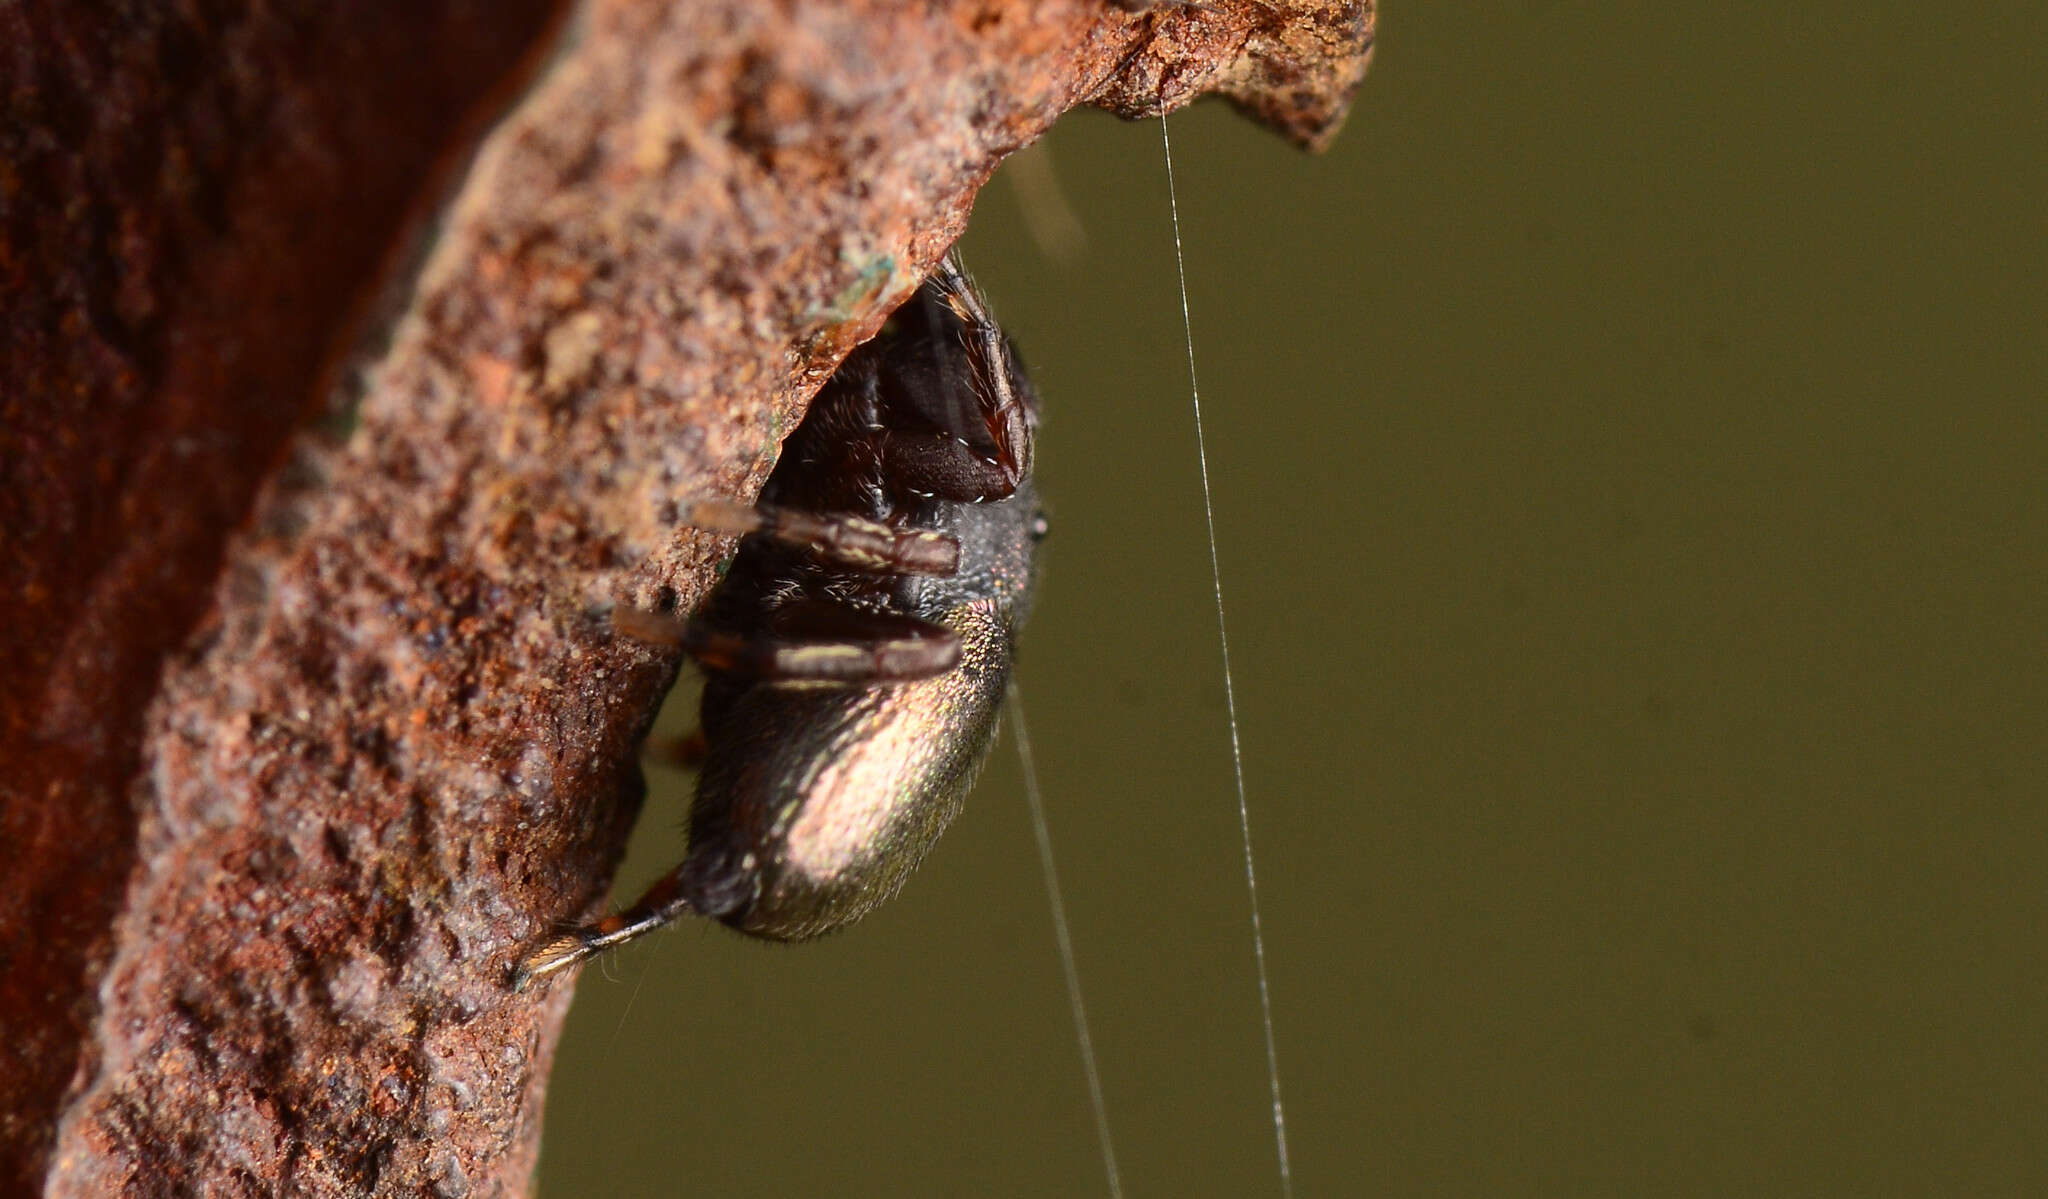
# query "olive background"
(1628, 451)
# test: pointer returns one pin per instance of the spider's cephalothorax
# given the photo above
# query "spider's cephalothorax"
(858, 650)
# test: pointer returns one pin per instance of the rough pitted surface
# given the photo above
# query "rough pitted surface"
(191, 198)
(402, 745)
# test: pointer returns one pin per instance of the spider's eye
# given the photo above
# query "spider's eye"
(1039, 526)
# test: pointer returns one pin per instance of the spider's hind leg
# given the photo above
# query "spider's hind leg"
(663, 903)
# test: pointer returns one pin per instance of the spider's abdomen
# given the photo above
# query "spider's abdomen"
(819, 803)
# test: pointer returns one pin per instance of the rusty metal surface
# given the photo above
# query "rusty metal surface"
(191, 199)
(402, 743)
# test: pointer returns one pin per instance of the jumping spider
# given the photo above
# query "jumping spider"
(858, 650)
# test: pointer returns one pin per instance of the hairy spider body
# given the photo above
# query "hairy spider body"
(858, 650)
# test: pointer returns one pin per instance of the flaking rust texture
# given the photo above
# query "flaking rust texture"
(402, 743)
(190, 198)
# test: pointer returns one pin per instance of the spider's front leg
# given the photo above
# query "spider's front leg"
(810, 641)
(853, 541)
(819, 640)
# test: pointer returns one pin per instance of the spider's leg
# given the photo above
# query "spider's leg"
(663, 903)
(810, 641)
(854, 541)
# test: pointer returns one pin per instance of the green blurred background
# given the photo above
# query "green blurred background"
(1628, 446)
